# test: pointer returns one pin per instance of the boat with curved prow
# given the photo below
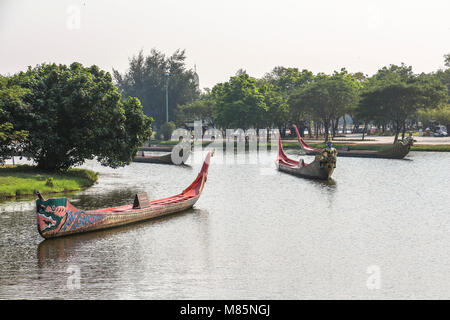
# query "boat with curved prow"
(58, 217)
(321, 168)
(397, 151)
(156, 148)
(178, 155)
(163, 159)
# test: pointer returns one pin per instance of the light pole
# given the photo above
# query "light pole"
(166, 77)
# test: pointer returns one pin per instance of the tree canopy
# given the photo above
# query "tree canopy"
(145, 80)
(239, 103)
(396, 94)
(447, 60)
(73, 113)
(326, 97)
(11, 139)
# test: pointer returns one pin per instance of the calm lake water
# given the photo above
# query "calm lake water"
(379, 230)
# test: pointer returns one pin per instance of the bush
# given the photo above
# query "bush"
(166, 130)
(49, 182)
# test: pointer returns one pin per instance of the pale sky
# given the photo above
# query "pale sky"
(221, 37)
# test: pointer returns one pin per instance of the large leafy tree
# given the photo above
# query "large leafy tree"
(200, 109)
(239, 103)
(440, 114)
(277, 111)
(447, 60)
(444, 75)
(326, 97)
(77, 113)
(287, 80)
(145, 80)
(396, 93)
(11, 104)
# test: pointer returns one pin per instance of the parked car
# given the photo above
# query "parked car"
(440, 131)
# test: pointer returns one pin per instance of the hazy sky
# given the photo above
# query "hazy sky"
(222, 36)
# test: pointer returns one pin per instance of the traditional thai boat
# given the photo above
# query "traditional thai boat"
(179, 155)
(162, 159)
(397, 151)
(58, 217)
(321, 168)
(156, 148)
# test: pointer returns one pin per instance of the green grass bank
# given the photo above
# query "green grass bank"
(23, 180)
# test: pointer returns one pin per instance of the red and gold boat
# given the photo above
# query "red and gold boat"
(58, 217)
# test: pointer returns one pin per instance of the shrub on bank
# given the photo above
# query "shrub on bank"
(166, 130)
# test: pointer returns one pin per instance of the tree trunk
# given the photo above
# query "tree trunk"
(364, 130)
(333, 133)
(301, 128)
(397, 131)
(326, 125)
(336, 127)
(403, 130)
(344, 126)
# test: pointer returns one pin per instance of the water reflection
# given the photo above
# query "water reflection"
(57, 250)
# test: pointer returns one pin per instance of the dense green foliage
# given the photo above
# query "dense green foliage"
(239, 103)
(73, 113)
(396, 94)
(11, 139)
(440, 114)
(200, 109)
(395, 99)
(447, 60)
(166, 130)
(145, 80)
(326, 98)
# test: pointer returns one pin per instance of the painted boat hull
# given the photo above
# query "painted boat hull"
(58, 217)
(311, 171)
(318, 169)
(398, 150)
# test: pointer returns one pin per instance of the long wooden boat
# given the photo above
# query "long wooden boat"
(58, 217)
(168, 158)
(397, 151)
(321, 168)
(156, 148)
(163, 159)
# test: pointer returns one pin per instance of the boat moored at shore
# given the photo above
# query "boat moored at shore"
(396, 151)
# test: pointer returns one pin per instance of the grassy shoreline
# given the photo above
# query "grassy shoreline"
(23, 180)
